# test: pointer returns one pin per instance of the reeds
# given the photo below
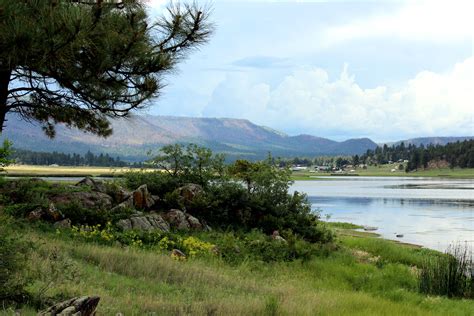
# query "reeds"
(450, 274)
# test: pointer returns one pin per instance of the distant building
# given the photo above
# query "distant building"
(323, 168)
(298, 168)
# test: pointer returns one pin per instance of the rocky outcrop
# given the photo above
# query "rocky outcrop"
(182, 221)
(91, 200)
(189, 192)
(150, 221)
(78, 306)
(95, 185)
(50, 214)
(177, 219)
(142, 199)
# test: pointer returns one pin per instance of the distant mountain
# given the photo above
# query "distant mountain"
(133, 138)
(432, 140)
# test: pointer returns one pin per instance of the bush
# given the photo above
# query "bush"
(450, 275)
(13, 254)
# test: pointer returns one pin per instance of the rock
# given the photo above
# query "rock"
(126, 205)
(91, 200)
(177, 219)
(53, 214)
(189, 192)
(276, 236)
(399, 235)
(142, 198)
(78, 306)
(121, 194)
(95, 185)
(65, 223)
(194, 222)
(150, 221)
(178, 254)
(36, 214)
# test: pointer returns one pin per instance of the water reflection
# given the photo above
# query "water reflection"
(433, 216)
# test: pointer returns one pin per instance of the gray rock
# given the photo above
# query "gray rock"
(194, 223)
(189, 192)
(151, 221)
(83, 306)
(65, 223)
(95, 185)
(177, 219)
(92, 200)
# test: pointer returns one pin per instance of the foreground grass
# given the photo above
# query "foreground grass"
(385, 171)
(366, 276)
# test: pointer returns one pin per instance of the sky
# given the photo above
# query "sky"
(338, 69)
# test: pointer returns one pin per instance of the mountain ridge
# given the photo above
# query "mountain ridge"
(134, 137)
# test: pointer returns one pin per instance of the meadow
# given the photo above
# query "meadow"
(365, 276)
(386, 171)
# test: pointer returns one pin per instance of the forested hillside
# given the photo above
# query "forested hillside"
(458, 154)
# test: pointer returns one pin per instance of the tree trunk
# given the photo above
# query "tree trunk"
(4, 82)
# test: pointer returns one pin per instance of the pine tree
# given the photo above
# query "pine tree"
(83, 62)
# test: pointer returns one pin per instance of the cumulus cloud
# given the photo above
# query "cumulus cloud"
(308, 101)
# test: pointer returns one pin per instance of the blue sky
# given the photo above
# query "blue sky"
(384, 70)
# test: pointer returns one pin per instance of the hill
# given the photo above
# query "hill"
(134, 137)
(431, 140)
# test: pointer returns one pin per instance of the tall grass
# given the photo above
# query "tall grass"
(450, 275)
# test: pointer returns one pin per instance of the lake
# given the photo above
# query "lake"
(432, 212)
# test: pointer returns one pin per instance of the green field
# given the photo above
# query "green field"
(364, 276)
(385, 171)
(65, 171)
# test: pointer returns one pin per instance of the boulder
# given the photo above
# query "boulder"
(177, 219)
(276, 236)
(36, 214)
(194, 223)
(123, 207)
(52, 213)
(65, 223)
(78, 306)
(150, 221)
(142, 199)
(95, 185)
(91, 200)
(189, 192)
(178, 254)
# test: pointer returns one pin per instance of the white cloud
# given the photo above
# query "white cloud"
(438, 21)
(307, 101)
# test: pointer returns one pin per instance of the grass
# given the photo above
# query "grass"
(366, 276)
(65, 171)
(385, 171)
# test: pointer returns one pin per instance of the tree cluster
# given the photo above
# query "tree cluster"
(459, 154)
(49, 158)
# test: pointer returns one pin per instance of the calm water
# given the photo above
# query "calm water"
(428, 211)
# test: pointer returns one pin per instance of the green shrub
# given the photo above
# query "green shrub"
(13, 255)
(449, 275)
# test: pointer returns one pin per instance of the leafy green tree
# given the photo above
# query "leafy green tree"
(83, 62)
(5, 152)
(191, 163)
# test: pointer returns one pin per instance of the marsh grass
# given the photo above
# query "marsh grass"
(449, 275)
